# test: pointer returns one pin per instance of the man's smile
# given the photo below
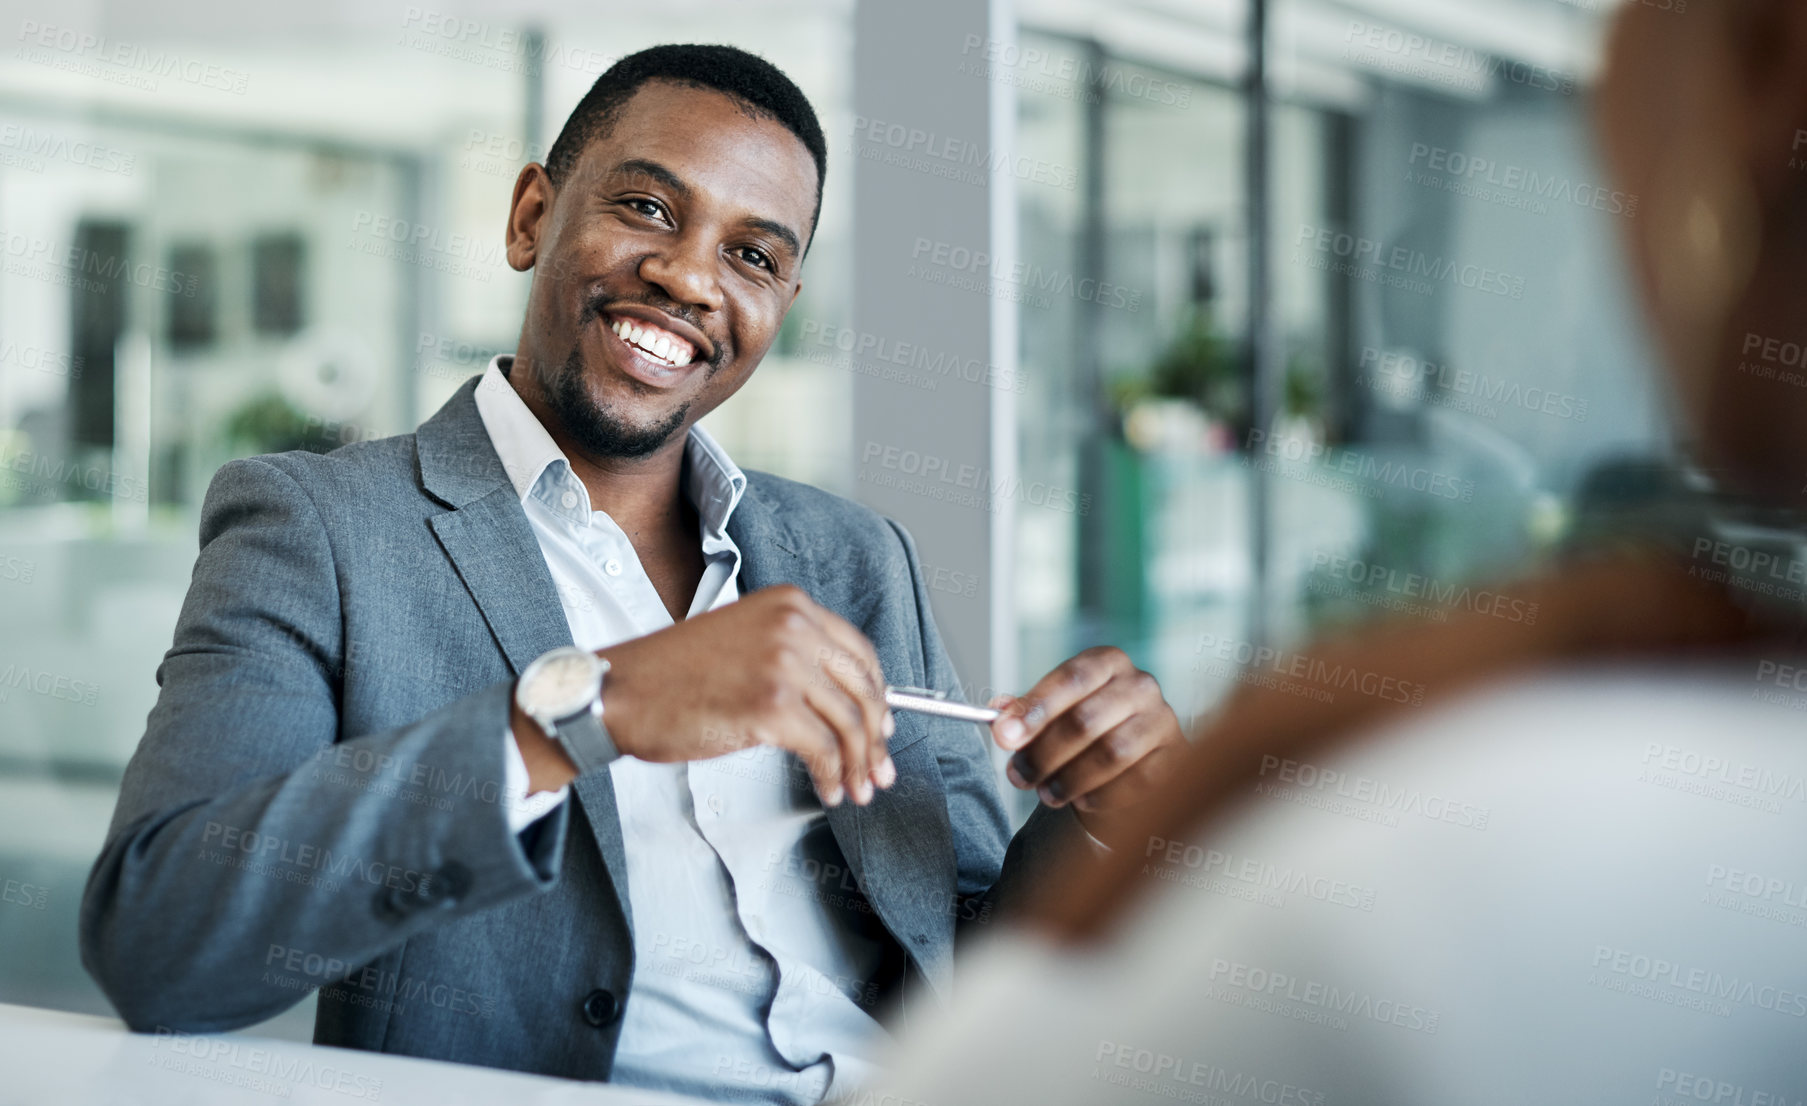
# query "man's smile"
(656, 342)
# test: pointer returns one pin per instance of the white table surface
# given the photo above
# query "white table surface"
(49, 1058)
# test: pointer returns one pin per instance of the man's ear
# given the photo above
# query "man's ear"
(527, 214)
(794, 293)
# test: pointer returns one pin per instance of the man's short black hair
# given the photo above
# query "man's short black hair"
(748, 78)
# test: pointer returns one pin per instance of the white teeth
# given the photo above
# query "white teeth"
(670, 350)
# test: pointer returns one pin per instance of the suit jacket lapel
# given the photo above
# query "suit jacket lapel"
(489, 540)
(901, 842)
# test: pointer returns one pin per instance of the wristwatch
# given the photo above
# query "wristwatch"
(562, 692)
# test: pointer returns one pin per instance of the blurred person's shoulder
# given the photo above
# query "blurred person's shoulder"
(1576, 886)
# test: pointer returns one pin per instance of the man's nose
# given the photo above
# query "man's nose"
(686, 269)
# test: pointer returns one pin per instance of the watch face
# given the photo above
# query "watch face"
(563, 684)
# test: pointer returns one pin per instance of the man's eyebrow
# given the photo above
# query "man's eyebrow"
(639, 166)
(779, 231)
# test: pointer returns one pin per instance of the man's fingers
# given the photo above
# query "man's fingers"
(819, 748)
(1054, 693)
(851, 661)
(1071, 733)
(841, 713)
(1089, 779)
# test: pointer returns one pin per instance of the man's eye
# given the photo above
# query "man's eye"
(652, 209)
(757, 257)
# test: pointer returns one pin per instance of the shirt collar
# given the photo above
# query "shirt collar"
(538, 469)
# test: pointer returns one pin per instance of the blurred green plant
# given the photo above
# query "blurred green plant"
(1200, 365)
(268, 423)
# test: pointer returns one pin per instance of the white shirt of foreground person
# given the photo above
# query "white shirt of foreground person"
(742, 992)
(1576, 889)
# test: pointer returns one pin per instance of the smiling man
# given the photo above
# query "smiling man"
(547, 738)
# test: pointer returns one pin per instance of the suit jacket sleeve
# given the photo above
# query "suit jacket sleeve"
(996, 873)
(250, 844)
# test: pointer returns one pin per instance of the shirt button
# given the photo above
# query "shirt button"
(569, 499)
(715, 803)
(612, 567)
(600, 1007)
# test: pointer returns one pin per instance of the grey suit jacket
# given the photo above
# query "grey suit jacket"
(316, 803)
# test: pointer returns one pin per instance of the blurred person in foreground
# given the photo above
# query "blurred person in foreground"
(1574, 874)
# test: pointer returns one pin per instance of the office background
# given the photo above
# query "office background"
(1141, 355)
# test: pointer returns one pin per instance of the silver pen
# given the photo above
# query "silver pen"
(924, 701)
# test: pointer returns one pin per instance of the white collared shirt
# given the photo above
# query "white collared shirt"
(754, 956)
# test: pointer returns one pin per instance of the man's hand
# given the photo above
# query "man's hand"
(1095, 733)
(773, 668)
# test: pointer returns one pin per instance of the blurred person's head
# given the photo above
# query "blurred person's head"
(1703, 113)
(666, 233)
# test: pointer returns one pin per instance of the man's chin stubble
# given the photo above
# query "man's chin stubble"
(599, 432)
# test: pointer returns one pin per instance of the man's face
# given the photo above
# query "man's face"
(663, 266)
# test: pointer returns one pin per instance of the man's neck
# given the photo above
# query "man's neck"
(644, 495)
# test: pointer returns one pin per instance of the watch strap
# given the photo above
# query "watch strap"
(586, 740)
